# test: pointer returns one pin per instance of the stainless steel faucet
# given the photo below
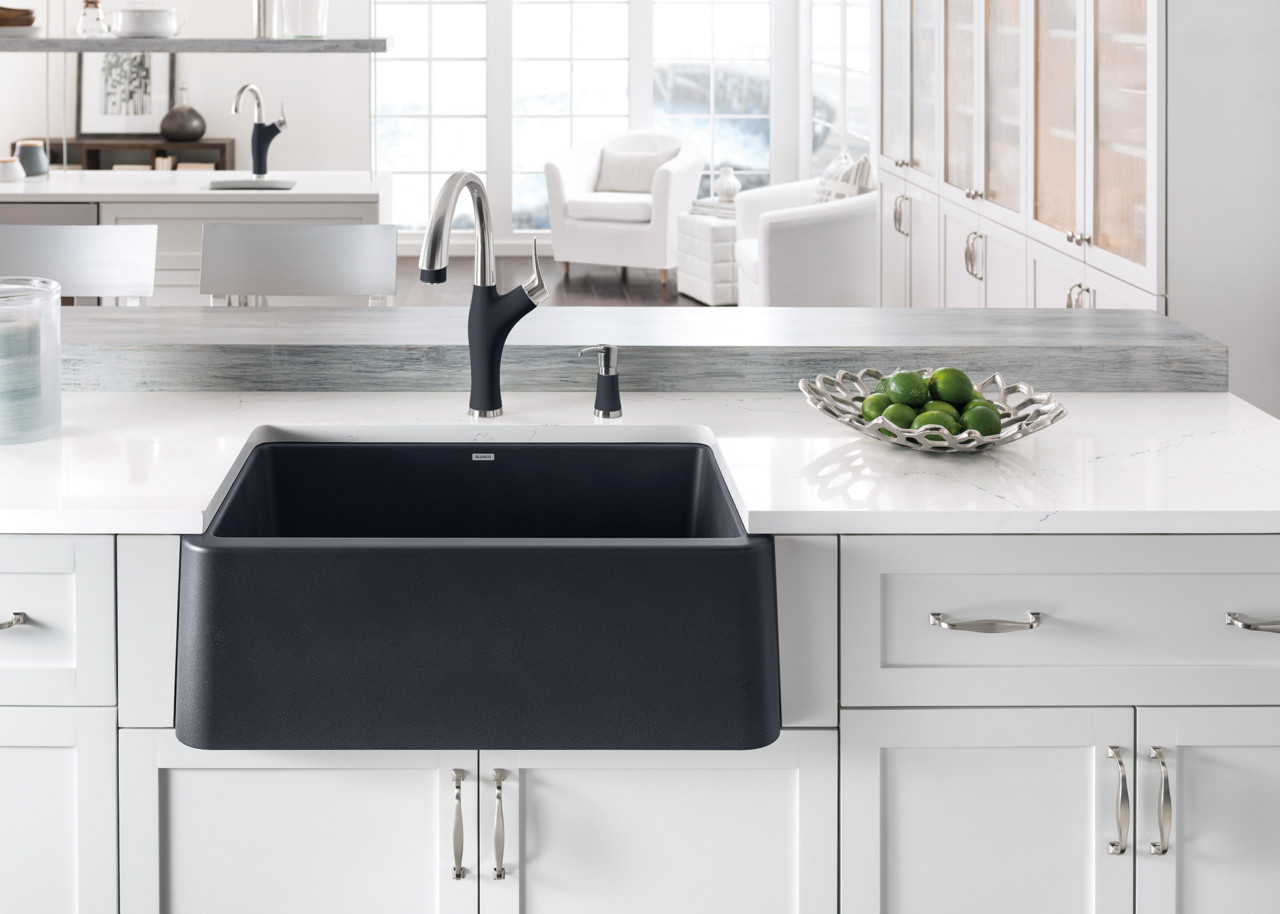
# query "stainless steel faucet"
(258, 117)
(492, 316)
(263, 133)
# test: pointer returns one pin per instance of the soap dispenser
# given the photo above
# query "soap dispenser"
(608, 398)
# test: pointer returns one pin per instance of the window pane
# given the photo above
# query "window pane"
(458, 87)
(411, 200)
(742, 142)
(529, 202)
(408, 27)
(858, 40)
(597, 129)
(458, 30)
(458, 144)
(540, 88)
(402, 87)
(858, 99)
(682, 30)
(742, 88)
(695, 132)
(826, 145)
(540, 30)
(826, 94)
(826, 35)
(600, 87)
(600, 30)
(681, 88)
(536, 139)
(742, 31)
(402, 143)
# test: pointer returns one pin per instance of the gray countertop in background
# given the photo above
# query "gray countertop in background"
(663, 349)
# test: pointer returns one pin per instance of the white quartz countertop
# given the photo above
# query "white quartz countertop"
(192, 187)
(1119, 463)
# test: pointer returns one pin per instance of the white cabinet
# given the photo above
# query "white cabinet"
(293, 831)
(984, 264)
(1058, 280)
(685, 832)
(909, 245)
(58, 810)
(984, 811)
(906, 66)
(1223, 797)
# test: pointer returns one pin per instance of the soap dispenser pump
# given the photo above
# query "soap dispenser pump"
(608, 397)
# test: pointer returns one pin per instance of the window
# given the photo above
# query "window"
(569, 85)
(711, 82)
(429, 101)
(841, 74)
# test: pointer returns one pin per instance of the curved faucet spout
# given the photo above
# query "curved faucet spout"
(435, 246)
(258, 117)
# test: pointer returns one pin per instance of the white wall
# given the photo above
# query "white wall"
(326, 96)
(1223, 234)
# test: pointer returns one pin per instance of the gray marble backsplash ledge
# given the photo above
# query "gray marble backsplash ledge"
(661, 349)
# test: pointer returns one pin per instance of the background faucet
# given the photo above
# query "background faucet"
(492, 316)
(263, 133)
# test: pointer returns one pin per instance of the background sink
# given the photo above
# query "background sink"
(455, 595)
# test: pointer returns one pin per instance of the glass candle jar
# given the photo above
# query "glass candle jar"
(30, 358)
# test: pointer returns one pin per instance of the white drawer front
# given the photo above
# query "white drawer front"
(1122, 620)
(64, 654)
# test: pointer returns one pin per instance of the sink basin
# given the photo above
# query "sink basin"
(431, 595)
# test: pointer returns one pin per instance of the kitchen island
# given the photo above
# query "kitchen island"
(1126, 532)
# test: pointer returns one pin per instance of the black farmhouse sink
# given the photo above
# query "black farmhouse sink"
(455, 595)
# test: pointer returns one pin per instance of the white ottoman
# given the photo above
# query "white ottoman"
(705, 264)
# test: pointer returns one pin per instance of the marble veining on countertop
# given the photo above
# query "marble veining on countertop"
(1119, 463)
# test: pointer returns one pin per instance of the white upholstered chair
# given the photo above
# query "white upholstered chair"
(621, 229)
(792, 252)
(116, 263)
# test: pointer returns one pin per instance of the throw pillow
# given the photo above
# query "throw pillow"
(631, 172)
(843, 178)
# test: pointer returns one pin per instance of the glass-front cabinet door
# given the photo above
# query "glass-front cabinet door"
(1124, 155)
(1057, 179)
(962, 106)
(925, 114)
(1003, 137)
(909, 61)
(895, 97)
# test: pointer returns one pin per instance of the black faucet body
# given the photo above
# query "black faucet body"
(262, 136)
(488, 324)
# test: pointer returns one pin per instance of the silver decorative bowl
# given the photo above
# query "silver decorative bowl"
(1022, 412)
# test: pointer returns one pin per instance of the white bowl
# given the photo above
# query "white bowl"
(158, 22)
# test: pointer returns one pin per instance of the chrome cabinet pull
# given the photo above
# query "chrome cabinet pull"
(976, 239)
(906, 202)
(897, 214)
(499, 828)
(1071, 237)
(15, 619)
(1161, 847)
(968, 253)
(459, 871)
(987, 626)
(1073, 295)
(1082, 240)
(1232, 619)
(1117, 848)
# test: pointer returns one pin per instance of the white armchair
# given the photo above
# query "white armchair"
(620, 229)
(796, 253)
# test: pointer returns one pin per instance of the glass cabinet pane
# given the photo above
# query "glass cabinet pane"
(924, 85)
(1004, 109)
(1057, 80)
(893, 79)
(1120, 146)
(961, 111)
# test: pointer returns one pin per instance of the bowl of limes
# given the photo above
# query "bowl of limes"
(935, 410)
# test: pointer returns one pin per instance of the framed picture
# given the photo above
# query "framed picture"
(122, 93)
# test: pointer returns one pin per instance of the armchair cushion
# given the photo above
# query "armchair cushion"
(610, 206)
(631, 172)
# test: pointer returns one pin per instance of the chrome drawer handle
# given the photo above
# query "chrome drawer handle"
(499, 828)
(15, 619)
(459, 871)
(987, 626)
(1161, 847)
(1232, 619)
(1117, 848)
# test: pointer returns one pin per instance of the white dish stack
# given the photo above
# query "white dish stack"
(30, 359)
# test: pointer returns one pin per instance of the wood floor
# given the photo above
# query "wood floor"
(586, 285)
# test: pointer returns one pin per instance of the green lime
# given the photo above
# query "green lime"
(941, 406)
(899, 414)
(951, 385)
(977, 394)
(982, 420)
(874, 405)
(909, 388)
(936, 418)
(985, 404)
(883, 386)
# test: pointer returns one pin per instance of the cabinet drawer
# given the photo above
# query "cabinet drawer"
(1123, 620)
(65, 652)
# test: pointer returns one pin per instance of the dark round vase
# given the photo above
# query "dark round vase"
(183, 124)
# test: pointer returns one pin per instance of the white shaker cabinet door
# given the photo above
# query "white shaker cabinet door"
(1003, 256)
(962, 265)
(677, 832)
(58, 810)
(1223, 801)
(1055, 280)
(922, 259)
(268, 832)
(985, 811)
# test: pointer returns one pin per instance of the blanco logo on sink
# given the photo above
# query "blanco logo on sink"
(481, 456)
